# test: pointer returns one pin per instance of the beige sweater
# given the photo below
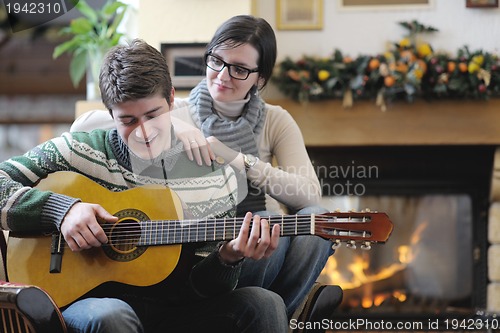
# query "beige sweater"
(284, 171)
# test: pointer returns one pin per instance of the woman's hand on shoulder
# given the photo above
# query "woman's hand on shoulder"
(227, 154)
(196, 146)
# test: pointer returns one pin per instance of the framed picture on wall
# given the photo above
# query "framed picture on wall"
(186, 63)
(384, 4)
(299, 14)
(481, 3)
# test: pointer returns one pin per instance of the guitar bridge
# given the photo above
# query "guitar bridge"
(56, 252)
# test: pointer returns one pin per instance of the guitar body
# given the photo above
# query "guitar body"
(29, 257)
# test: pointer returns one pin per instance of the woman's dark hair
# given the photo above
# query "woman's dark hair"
(247, 29)
(134, 71)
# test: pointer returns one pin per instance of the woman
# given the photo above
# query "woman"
(226, 107)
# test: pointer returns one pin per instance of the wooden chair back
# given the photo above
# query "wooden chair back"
(24, 308)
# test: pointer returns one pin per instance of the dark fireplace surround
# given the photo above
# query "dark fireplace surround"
(422, 170)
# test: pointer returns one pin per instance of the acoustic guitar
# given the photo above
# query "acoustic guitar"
(145, 244)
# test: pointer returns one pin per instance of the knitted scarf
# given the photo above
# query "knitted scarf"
(239, 134)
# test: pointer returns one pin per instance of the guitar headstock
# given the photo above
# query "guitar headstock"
(353, 227)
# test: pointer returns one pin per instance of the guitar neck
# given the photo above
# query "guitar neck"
(169, 232)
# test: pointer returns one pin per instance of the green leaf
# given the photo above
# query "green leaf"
(69, 46)
(116, 38)
(111, 7)
(86, 10)
(77, 67)
(81, 25)
(116, 22)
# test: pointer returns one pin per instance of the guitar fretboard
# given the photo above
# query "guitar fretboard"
(192, 231)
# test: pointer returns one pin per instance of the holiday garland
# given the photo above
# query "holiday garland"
(409, 70)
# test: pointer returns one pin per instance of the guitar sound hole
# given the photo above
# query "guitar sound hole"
(124, 236)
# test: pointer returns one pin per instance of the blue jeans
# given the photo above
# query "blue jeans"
(250, 309)
(293, 268)
(101, 315)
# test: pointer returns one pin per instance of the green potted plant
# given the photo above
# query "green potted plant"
(93, 35)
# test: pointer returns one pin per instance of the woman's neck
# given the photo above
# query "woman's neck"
(230, 110)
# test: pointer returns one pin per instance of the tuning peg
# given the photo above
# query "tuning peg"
(337, 210)
(336, 244)
(366, 210)
(366, 246)
(351, 244)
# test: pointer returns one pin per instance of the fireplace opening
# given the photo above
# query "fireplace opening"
(434, 263)
(426, 264)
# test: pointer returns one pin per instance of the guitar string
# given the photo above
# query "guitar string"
(211, 228)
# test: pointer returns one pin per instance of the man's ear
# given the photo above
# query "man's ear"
(171, 103)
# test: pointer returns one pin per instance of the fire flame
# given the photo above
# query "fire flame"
(357, 274)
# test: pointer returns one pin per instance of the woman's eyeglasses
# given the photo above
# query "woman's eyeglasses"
(236, 72)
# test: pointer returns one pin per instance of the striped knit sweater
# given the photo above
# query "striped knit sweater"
(103, 157)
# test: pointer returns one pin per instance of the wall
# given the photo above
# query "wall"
(354, 32)
(185, 20)
(357, 32)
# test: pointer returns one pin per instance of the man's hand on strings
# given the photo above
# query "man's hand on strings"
(255, 240)
(81, 229)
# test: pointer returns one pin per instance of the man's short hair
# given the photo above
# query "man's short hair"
(132, 72)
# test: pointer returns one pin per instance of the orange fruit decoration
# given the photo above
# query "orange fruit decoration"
(451, 66)
(373, 64)
(462, 67)
(389, 81)
(408, 56)
(422, 65)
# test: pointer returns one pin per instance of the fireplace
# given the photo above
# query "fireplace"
(416, 151)
(437, 196)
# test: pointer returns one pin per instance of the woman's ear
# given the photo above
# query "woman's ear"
(260, 83)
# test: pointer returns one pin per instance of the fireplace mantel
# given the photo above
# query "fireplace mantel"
(450, 122)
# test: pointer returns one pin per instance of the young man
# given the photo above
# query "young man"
(200, 294)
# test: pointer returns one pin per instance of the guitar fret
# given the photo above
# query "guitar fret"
(176, 233)
(168, 231)
(206, 230)
(147, 233)
(305, 228)
(296, 222)
(215, 230)
(288, 229)
(150, 232)
(234, 227)
(162, 230)
(224, 229)
(197, 230)
(282, 225)
(156, 233)
(180, 233)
